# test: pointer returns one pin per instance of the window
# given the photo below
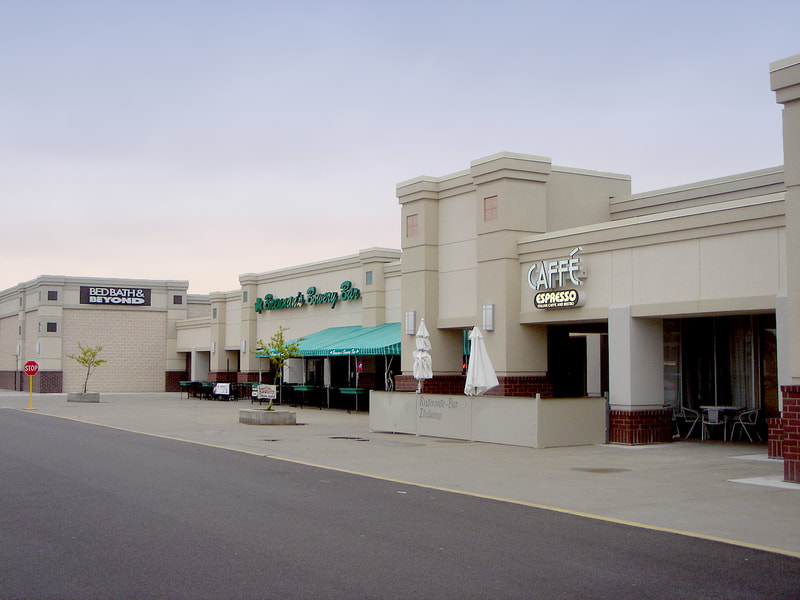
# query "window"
(52, 327)
(412, 225)
(490, 208)
(52, 295)
(177, 299)
(213, 313)
(369, 277)
(244, 296)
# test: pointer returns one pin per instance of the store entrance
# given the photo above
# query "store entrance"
(577, 359)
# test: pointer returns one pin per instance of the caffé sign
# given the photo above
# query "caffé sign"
(547, 278)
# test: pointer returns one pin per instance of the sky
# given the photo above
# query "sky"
(202, 139)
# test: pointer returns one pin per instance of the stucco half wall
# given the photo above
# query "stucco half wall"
(531, 422)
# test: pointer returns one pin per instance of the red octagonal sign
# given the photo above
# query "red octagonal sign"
(31, 367)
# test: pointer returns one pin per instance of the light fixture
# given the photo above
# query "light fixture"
(411, 322)
(213, 347)
(243, 346)
(38, 348)
(487, 317)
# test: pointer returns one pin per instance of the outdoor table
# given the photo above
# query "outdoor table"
(724, 411)
(188, 385)
(303, 389)
(354, 392)
(206, 389)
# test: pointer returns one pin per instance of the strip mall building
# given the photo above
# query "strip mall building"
(687, 296)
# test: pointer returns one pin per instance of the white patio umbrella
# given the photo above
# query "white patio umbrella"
(480, 372)
(423, 366)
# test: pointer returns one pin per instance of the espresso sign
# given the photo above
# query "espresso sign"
(115, 295)
(559, 299)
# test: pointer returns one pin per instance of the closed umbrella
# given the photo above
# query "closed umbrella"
(480, 372)
(423, 366)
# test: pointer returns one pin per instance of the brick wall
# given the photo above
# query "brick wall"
(775, 438)
(222, 377)
(246, 376)
(791, 432)
(635, 427)
(520, 387)
(172, 380)
(9, 380)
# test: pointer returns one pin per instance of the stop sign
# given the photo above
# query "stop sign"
(31, 368)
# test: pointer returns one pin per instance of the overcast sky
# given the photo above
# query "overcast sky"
(202, 139)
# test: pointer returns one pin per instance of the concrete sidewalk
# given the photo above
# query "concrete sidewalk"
(727, 491)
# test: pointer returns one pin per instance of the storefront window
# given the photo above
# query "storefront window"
(719, 361)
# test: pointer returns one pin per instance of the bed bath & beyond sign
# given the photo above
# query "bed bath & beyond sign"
(546, 276)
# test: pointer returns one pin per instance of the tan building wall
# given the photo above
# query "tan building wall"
(133, 345)
(54, 316)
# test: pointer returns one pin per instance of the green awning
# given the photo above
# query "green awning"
(350, 340)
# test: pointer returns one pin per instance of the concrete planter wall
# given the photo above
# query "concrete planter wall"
(255, 416)
(532, 422)
(83, 397)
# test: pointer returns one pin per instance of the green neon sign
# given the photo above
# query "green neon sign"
(311, 297)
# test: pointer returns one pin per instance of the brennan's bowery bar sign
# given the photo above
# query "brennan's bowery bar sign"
(312, 296)
(115, 295)
(546, 277)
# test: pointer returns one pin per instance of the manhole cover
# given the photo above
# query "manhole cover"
(599, 470)
(349, 437)
(270, 440)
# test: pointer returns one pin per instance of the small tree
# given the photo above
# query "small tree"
(279, 351)
(88, 358)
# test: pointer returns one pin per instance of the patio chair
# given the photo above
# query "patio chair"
(688, 415)
(748, 418)
(713, 417)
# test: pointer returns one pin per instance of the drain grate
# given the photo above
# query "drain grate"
(349, 437)
(270, 440)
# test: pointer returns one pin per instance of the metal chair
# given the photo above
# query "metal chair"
(689, 415)
(748, 418)
(713, 417)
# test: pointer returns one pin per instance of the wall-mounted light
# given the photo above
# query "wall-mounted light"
(38, 348)
(243, 346)
(213, 347)
(487, 317)
(411, 322)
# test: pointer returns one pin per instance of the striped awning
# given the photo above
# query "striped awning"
(352, 340)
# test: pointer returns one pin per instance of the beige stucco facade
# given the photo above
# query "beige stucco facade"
(222, 344)
(134, 320)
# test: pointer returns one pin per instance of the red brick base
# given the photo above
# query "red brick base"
(791, 432)
(518, 387)
(775, 438)
(634, 427)
(172, 380)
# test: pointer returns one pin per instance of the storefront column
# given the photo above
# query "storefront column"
(790, 422)
(636, 379)
(785, 82)
(248, 363)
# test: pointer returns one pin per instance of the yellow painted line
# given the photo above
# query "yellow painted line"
(565, 511)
